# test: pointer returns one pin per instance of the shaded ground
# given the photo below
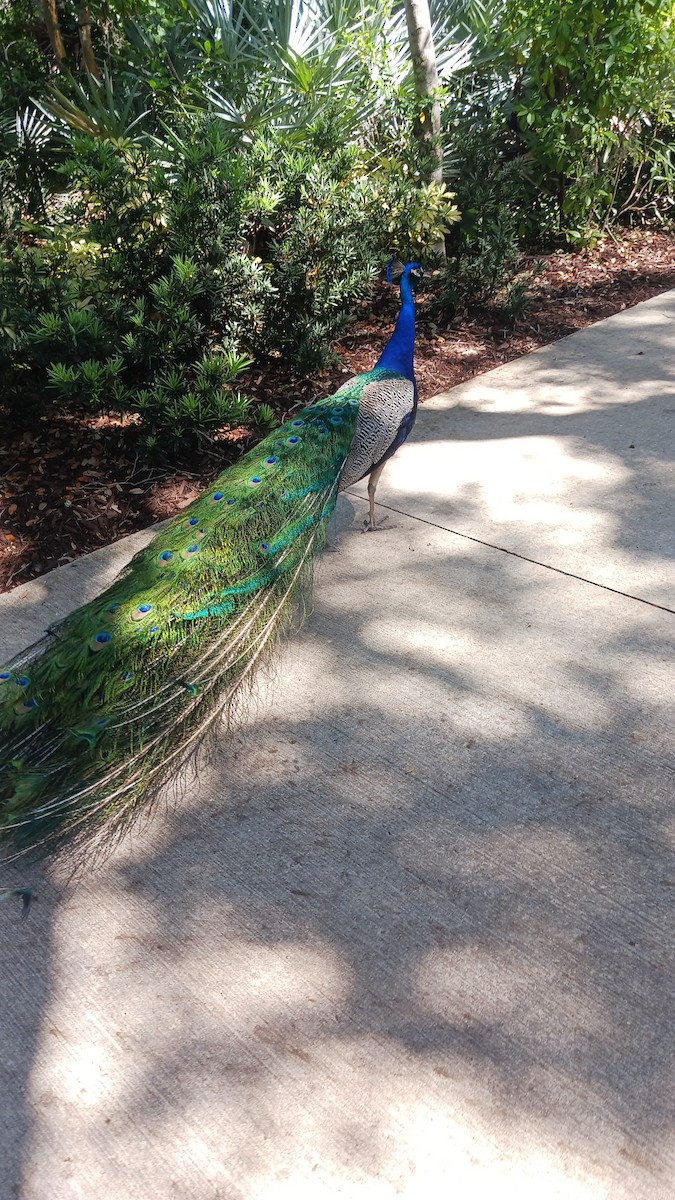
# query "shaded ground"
(412, 923)
(73, 484)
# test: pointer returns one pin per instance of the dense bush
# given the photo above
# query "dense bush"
(226, 183)
(484, 250)
(167, 268)
(592, 103)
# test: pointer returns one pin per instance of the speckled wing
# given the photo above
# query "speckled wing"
(385, 417)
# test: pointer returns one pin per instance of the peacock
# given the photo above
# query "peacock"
(113, 700)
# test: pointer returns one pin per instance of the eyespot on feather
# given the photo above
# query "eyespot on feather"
(100, 640)
(140, 612)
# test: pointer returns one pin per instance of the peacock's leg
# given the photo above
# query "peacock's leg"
(373, 480)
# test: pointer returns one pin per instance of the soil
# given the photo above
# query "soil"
(72, 483)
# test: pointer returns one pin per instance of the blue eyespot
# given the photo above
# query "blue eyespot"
(271, 460)
(264, 546)
(141, 611)
(298, 422)
(22, 681)
(144, 608)
(166, 555)
(127, 675)
(192, 549)
(30, 703)
(230, 502)
(102, 638)
(293, 441)
(218, 496)
(336, 420)
(255, 479)
(193, 521)
(155, 629)
(4, 676)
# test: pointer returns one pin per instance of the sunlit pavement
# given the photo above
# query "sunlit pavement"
(410, 933)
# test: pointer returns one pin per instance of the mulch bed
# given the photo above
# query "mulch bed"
(72, 483)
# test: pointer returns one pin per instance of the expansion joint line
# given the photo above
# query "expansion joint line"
(514, 554)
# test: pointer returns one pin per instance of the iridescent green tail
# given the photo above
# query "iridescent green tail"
(96, 717)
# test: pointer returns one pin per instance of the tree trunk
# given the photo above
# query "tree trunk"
(51, 18)
(84, 26)
(425, 73)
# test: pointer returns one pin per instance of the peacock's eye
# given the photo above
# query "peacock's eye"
(141, 611)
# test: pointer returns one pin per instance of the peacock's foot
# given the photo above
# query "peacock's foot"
(373, 527)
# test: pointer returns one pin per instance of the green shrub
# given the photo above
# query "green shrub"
(483, 248)
(593, 106)
(167, 269)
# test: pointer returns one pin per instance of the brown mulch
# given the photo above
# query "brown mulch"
(72, 483)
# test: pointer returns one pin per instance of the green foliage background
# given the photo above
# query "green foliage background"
(228, 189)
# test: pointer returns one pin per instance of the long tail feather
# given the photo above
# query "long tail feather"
(99, 713)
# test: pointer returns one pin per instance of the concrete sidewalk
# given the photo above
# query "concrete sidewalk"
(411, 931)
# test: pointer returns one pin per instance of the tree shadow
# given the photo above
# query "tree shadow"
(428, 891)
(411, 924)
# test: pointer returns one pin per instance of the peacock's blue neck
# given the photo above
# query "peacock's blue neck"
(399, 351)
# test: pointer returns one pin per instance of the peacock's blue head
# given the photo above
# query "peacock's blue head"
(397, 272)
(413, 271)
